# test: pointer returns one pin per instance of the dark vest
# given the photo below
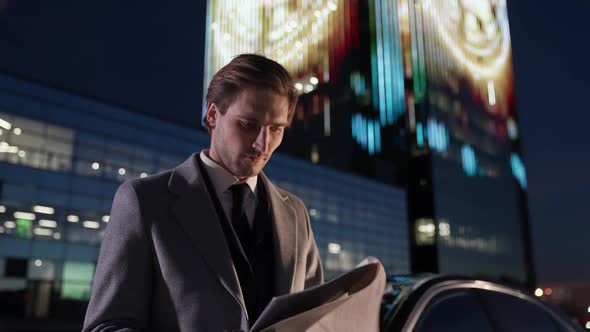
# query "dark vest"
(254, 262)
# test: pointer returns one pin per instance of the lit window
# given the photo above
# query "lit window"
(73, 218)
(24, 215)
(334, 248)
(42, 232)
(91, 224)
(43, 209)
(47, 223)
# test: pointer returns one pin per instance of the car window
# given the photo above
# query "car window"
(510, 313)
(454, 310)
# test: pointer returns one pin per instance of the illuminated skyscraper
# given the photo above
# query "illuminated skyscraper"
(417, 94)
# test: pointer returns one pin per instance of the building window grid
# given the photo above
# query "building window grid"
(360, 217)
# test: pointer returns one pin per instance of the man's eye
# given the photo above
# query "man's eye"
(276, 129)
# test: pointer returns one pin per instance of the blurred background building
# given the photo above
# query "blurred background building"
(404, 146)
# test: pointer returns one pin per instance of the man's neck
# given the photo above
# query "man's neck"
(215, 158)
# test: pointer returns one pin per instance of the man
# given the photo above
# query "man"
(204, 247)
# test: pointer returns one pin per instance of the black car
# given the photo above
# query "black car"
(458, 304)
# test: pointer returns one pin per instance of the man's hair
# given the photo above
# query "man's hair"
(250, 71)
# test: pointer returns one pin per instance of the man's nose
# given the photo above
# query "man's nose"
(261, 143)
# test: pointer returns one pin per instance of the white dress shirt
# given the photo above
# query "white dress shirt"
(222, 179)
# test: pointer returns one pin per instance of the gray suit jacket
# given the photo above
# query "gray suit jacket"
(164, 263)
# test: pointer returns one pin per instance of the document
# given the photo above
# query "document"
(352, 300)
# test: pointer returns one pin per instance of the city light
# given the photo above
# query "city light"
(121, 171)
(512, 129)
(548, 291)
(5, 147)
(17, 131)
(43, 209)
(42, 232)
(298, 86)
(334, 248)
(444, 229)
(73, 218)
(9, 224)
(587, 325)
(21, 153)
(538, 292)
(24, 215)
(428, 228)
(105, 218)
(56, 236)
(2, 208)
(5, 124)
(419, 135)
(143, 175)
(518, 169)
(469, 160)
(91, 224)
(314, 80)
(313, 212)
(47, 223)
(491, 93)
(315, 154)
(38, 262)
(95, 165)
(493, 56)
(438, 135)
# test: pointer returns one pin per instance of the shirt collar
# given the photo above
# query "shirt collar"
(221, 178)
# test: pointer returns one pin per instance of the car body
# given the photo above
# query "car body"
(454, 303)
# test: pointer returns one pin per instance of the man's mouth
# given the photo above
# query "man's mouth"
(255, 158)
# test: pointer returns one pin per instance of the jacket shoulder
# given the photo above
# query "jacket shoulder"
(150, 186)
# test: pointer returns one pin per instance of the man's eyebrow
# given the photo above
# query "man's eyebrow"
(279, 124)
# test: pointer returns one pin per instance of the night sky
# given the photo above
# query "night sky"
(148, 57)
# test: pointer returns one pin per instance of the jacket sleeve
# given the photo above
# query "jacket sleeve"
(122, 287)
(314, 274)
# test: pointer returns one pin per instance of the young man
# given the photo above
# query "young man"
(204, 247)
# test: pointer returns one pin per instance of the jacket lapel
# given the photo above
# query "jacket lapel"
(285, 237)
(196, 214)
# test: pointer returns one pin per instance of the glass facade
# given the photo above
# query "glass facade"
(464, 138)
(62, 158)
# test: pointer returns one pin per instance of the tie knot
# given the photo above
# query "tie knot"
(239, 193)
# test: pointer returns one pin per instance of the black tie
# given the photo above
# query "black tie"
(238, 216)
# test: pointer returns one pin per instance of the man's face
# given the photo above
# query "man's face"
(244, 138)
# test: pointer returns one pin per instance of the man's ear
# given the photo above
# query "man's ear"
(211, 114)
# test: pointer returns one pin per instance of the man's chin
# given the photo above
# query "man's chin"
(247, 172)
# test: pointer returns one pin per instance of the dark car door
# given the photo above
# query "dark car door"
(456, 310)
(511, 313)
